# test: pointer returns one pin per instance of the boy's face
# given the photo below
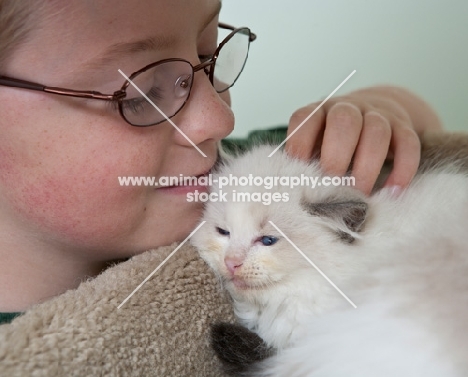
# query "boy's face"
(60, 158)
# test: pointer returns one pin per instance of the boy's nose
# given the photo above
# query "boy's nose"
(206, 115)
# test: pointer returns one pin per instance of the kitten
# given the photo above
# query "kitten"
(403, 261)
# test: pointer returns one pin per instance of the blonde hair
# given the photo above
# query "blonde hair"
(16, 22)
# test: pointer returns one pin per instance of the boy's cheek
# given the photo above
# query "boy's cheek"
(80, 204)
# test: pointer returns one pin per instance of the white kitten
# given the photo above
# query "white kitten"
(403, 261)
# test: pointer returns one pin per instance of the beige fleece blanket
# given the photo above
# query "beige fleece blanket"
(163, 330)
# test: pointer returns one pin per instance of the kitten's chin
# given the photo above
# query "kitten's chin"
(236, 284)
(239, 283)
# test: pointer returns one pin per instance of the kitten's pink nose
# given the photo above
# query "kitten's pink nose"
(232, 263)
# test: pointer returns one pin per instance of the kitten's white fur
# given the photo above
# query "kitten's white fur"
(407, 271)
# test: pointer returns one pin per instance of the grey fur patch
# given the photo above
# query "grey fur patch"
(352, 213)
(238, 348)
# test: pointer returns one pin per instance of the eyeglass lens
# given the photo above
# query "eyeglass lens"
(164, 85)
(231, 60)
(168, 84)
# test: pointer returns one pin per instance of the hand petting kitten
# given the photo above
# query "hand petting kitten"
(364, 128)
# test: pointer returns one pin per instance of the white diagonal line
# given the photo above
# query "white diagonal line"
(160, 265)
(312, 113)
(314, 266)
(162, 113)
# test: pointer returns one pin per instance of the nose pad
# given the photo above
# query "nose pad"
(182, 86)
(233, 263)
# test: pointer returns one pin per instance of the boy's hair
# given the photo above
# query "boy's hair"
(16, 22)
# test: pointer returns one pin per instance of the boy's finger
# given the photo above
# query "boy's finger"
(407, 154)
(302, 143)
(341, 136)
(371, 151)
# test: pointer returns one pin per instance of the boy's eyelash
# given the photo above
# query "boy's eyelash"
(135, 104)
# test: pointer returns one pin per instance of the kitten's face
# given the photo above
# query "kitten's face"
(244, 248)
(247, 251)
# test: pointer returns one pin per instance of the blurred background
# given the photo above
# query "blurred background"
(306, 48)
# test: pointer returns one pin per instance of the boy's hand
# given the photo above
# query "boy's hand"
(365, 127)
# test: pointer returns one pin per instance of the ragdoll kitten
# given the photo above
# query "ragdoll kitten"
(403, 261)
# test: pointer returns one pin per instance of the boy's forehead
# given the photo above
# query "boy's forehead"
(108, 17)
(161, 40)
(77, 33)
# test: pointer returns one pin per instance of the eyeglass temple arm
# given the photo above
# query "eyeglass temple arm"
(16, 83)
(222, 25)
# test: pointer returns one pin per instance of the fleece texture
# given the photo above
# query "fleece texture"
(163, 330)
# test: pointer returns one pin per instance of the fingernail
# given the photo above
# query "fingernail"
(395, 191)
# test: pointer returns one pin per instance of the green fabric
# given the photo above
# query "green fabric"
(269, 136)
(232, 145)
(8, 317)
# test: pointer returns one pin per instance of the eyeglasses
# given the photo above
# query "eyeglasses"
(167, 83)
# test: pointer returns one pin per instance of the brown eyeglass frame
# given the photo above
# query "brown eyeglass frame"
(120, 94)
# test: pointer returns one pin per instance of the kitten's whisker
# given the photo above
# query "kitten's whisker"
(269, 283)
(314, 266)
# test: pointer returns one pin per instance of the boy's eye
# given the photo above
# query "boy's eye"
(268, 240)
(223, 232)
(138, 105)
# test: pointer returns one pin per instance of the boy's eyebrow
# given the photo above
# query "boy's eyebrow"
(151, 43)
(118, 50)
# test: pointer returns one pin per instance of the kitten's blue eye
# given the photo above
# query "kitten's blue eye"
(268, 240)
(222, 232)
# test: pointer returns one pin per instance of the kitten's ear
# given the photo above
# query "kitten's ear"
(352, 213)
